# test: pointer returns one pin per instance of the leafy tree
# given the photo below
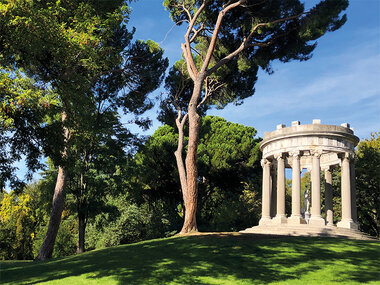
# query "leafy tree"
(24, 221)
(127, 222)
(24, 108)
(229, 173)
(157, 174)
(225, 44)
(82, 52)
(17, 224)
(368, 184)
(97, 157)
(66, 240)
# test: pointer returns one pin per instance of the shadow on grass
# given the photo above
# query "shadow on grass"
(196, 259)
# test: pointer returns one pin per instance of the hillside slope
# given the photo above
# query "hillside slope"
(210, 259)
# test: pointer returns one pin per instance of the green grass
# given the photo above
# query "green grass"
(210, 259)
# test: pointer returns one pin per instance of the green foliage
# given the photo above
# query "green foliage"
(229, 171)
(26, 111)
(17, 224)
(368, 184)
(126, 222)
(23, 224)
(157, 170)
(229, 174)
(337, 194)
(230, 84)
(61, 56)
(65, 243)
(80, 58)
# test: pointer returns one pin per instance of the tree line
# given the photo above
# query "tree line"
(69, 69)
(145, 201)
(141, 198)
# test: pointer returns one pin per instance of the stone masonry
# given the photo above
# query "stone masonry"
(315, 147)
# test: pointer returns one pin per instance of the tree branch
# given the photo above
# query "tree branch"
(245, 43)
(167, 33)
(272, 23)
(196, 32)
(209, 91)
(189, 68)
(187, 46)
(216, 32)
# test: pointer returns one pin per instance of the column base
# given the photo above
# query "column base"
(347, 224)
(264, 221)
(296, 220)
(317, 221)
(279, 220)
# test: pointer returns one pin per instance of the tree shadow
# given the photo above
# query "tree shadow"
(194, 259)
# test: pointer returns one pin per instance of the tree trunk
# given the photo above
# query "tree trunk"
(81, 232)
(47, 247)
(178, 154)
(82, 205)
(190, 194)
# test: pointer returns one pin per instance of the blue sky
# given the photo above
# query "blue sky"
(340, 83)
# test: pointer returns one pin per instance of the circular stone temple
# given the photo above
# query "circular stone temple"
(315, 147)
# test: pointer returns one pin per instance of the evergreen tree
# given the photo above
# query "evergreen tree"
(226, 42)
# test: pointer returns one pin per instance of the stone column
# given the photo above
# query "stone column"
(346, 221)
(296, 217)
(354, 210)
(329, 197)
(316, 218)
(273, 201)
(280, 216)
(270, 189)
(265, 215)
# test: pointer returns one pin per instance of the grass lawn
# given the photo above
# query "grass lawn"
(210, 259)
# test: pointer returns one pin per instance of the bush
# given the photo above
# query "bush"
(65, 243)
(126, 222)
(17, 225)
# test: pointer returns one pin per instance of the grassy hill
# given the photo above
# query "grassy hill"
(210, 259)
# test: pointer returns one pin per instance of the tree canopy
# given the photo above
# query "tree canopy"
(368, 184)
(83, 53)
(229, 173)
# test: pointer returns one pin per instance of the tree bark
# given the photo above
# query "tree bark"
(190, 194)
(81, 233)
(47, 247)
(81, 210)
(178, 153)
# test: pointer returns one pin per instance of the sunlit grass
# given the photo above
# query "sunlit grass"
(210, 259)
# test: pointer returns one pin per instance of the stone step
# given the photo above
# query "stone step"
(306, 230)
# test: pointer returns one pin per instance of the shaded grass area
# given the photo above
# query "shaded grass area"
(210, 259)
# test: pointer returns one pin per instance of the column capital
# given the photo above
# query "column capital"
(347, 155)
(316, 153)
(295, 154)
(264, 162)
(277, 156)
(326, 168)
